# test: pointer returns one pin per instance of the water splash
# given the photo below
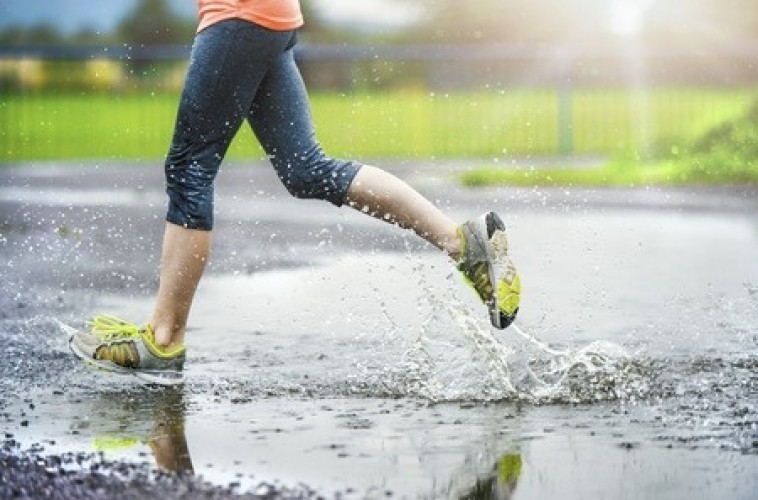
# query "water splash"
(512, 365)
(600, 370)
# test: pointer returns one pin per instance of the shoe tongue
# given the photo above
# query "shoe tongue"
(149, 335)
(147, 331)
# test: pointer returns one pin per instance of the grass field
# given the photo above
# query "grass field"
(619, 174)
(477, 125)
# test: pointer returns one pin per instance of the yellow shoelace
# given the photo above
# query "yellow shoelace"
(107, 327)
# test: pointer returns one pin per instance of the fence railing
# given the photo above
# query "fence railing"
(446, 66)
(389, 101)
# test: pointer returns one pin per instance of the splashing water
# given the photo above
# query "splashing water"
(449, 355)
(596, 358)
(535, 370)
(521, 367)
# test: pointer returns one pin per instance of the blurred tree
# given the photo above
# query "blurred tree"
(313, 23)
(89, 36)
(701, 24)
(740, 15)
(152, 22)
(694, 22)
(35, 35)
(316, 29)
(529, 21)
(495, 21)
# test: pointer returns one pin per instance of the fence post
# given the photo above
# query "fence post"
(565, 119)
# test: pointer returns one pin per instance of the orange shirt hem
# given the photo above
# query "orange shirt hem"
(277, 15)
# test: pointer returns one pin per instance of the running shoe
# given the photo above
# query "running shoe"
(485, 265)
(118, 346)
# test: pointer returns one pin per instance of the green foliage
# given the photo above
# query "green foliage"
(728, 149)
(613, 174)
(725, 154)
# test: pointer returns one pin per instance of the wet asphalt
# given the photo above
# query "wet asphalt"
(332, 355)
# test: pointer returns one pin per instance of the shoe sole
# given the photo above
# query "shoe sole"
(496, 249)
(153, 377)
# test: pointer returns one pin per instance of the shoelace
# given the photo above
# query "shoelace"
(107, 327)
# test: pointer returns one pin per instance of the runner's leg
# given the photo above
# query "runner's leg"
(281, 119)
(386, 197)
(228, 62)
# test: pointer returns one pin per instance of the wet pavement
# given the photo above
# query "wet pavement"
(332, 355)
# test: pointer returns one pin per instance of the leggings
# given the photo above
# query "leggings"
(239, 70)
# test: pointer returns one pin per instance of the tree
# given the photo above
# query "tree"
(316, 29)
(497, 21)
(153, 23)
(529, 21)
(40, 34)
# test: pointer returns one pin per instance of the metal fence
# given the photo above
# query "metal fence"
(480, 101)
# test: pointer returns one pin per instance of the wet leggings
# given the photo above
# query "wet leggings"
(239, 70)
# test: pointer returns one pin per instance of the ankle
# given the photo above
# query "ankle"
(167, 337)
(453, 246)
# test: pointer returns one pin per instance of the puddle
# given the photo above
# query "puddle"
(368, 387)
(370, 373)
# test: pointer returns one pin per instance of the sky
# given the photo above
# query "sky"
(73, 15)
(103, 15)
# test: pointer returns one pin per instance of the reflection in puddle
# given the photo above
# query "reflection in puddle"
(152, 417)
(501, 483)
(124, 424)
(168, 442)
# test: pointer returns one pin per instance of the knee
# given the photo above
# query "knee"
(319, 177)
(305, 183)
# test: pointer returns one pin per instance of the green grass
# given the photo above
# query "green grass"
(616, 174)
(410, 124)
(726, 153)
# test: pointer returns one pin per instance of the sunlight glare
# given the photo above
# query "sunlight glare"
(628, 16)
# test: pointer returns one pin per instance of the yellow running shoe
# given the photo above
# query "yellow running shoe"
(118, 346)
(484, 261)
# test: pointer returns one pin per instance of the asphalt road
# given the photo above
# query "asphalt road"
(331, 350)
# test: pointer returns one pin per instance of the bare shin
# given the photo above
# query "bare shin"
(384, 196)
(183, 258)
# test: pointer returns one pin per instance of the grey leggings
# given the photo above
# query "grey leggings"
(239, 70)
